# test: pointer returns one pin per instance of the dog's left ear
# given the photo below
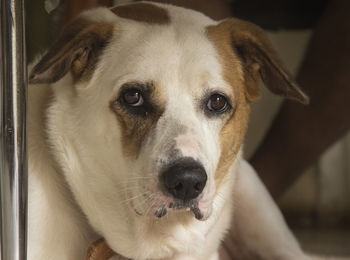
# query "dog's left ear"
(77, 50)
(259, 58)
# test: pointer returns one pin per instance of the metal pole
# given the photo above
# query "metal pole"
(13, 157)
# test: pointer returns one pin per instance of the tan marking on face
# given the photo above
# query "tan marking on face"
(235, 127)
(260, 60)
(143, 12)
(77, 50)
(135, 128)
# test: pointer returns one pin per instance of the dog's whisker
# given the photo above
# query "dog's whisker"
(150, 176)
(139, 195)
(221, 196)
(128, 189)
(145, 201)
(136, 181)
(138, 178)
(134, 186)
(147, 210)
(151, 205)
(140, 203)
(135, 197)
(148, 198)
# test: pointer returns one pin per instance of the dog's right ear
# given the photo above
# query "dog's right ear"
(257, 57)
(77, 50)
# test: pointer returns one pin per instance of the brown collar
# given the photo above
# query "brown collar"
(99, 250)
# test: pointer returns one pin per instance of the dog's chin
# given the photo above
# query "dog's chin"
(162, 206)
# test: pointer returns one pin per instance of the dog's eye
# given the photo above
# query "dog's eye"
(133, 97)
(217, 103)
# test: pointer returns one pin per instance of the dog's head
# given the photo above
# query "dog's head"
(151, 104)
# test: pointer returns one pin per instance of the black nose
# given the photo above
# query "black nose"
(184, 179)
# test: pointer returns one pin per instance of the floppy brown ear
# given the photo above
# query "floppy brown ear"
(77, 50)
(259, 58)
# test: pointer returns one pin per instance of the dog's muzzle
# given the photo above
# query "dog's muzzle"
(184, 179)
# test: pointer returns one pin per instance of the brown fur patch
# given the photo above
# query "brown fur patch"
(260, 60)
(235, 127)
(135, 128)
(246, 55)
(143, 12)
(77, 50)
(99, 250)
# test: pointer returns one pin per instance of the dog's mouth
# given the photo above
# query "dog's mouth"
(193, 207)
(161, 208)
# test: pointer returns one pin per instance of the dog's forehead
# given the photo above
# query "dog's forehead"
(172, 52)
(160, 14)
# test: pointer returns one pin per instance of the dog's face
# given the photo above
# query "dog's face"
(152, 111)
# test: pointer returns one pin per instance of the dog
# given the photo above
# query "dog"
(137, 116)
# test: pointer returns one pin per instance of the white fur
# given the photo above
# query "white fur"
(81, 184)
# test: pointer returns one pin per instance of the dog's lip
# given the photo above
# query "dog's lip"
(162, 211)
(197, 213)
(164, 208)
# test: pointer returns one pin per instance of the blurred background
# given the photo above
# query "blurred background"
(302, 153)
